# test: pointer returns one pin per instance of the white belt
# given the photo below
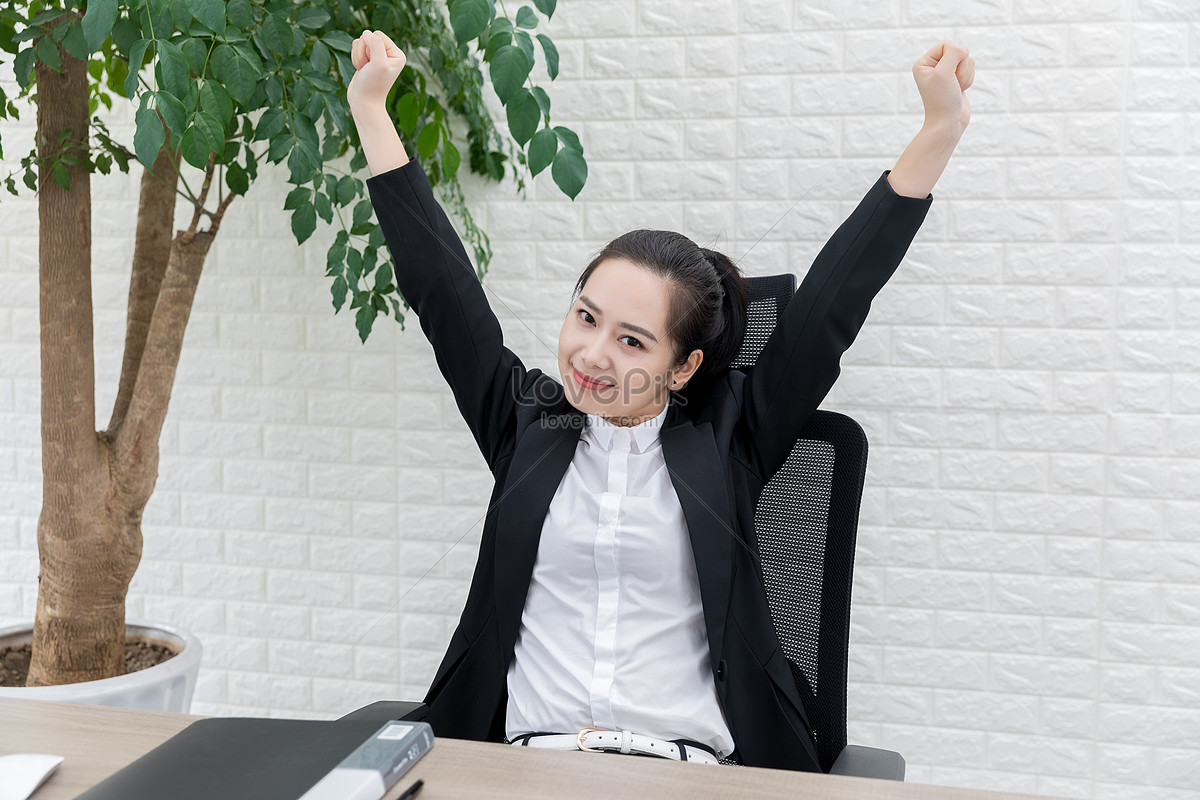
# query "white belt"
(595, 740)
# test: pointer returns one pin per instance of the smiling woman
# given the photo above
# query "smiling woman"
(681, 300)
(618, 592)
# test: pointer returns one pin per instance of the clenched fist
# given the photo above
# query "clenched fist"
(377, 63)
(943, 76)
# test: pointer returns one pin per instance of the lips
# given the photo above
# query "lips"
(590, 383)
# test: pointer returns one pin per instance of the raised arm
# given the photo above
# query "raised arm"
(432, 268)
(801, 360)
(943, 76)
(377, 63)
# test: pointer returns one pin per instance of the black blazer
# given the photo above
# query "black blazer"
(719, 453)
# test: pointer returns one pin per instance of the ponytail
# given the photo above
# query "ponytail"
(728, 327)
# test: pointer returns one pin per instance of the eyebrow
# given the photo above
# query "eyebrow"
(635, 328)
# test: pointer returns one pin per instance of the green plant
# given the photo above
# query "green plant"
(229, 88)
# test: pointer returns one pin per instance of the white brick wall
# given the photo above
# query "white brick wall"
(1028, 585)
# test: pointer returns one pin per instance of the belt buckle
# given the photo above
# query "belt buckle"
(584, 732)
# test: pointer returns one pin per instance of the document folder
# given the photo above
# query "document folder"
(238, 758)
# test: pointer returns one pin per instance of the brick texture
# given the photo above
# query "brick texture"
(1028, 584)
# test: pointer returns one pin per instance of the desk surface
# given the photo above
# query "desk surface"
(97, 741)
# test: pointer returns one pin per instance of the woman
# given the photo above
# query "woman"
(617, 602)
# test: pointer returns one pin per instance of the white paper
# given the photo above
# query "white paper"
(23, 773)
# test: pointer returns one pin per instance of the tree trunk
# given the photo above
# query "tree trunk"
(96, 485)
(78, 619)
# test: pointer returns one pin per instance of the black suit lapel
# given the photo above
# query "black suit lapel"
(538, 465)
(694, 464)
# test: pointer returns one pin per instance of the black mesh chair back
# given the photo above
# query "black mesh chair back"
(806, 523)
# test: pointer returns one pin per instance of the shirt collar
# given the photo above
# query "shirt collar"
(642, 436)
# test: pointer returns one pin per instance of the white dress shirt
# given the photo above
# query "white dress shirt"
(612, 635)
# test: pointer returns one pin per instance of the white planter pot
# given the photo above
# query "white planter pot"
(164, 687)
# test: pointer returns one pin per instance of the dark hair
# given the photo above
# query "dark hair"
(707, 298)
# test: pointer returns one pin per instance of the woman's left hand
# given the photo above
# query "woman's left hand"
(943, 76)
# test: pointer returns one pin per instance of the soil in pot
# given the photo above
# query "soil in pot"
(139, 654)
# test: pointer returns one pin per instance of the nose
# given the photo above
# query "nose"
(594, 357)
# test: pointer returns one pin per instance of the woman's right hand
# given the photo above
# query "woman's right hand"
(377, 63)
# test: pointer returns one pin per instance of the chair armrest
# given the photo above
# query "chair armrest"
(869, 762)
(385, 710)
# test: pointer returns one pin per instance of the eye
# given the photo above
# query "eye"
(586, 318)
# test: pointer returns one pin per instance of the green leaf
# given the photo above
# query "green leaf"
(216, 101)
(211, 13)
(236, 179)
(543, 100)
(47, 52)
(180, 15)
(304, 222)
(173, 112)
(312, 17)
(334, 106)
(320, 58)
(149, 135)
(196, 54)
(239, 14)
(468, 18)
(277, 35)
(568, 138)
(324, 207)
(74, 42)
(495, 42)
(338, 290)
(240, 77)
(526, 44)
(545, 6)
(451, 159)
(524, 116)
(383, 277)
(211, 129)
(494, 163)
(23, 66)
(363, 320)
(526, 18)
(303, 162)
(347, 189)
(338, 40)
(174, 68)
(124, 33)
(274, 90)
(427, 142)
(551, 55)
(98, 22)
(270, 123)
(61, 176)
(137, 55)
(408, 108)
(281, 145)
(542, 149)
(194, 148)
(362, 212)
(297, 197)
(250, 54)
(569, 171)
(509, 69)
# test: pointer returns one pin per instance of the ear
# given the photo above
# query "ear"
(683, 374)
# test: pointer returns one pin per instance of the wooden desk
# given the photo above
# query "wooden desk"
(96, 741)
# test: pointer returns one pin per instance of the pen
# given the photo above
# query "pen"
(412, 791)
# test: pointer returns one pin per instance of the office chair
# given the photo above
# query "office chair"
(806, 522)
